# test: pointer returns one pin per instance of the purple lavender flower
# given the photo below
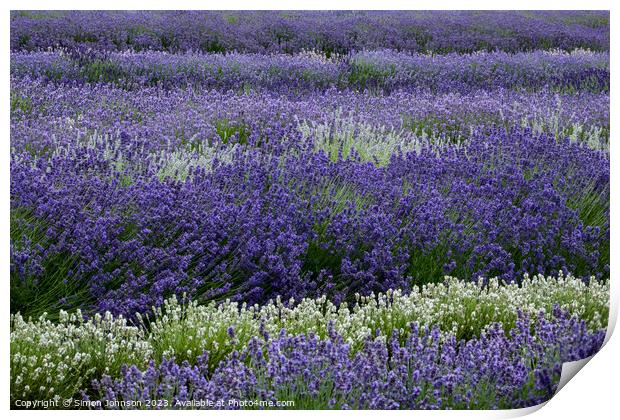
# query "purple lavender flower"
(428, 370)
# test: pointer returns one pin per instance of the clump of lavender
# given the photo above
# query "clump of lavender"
(427, 370)
(329, 33)
(55, 359)
(381, 71)
(301, 225)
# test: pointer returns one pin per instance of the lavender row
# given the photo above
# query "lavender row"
(293, 31)
(85, 231)
(424, 371)
(51, 360)
(146, 125)
(381, 70)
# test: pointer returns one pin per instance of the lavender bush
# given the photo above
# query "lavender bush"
(382, 70)
(332, 32)
(506, 204)
(425, 371)
(57, 359)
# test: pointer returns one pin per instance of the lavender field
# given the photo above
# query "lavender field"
(307, 210)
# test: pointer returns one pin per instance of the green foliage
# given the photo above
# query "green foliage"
(590, 20)
(81, 37)
(232, 19)
(23, 40)
(33, 293)
(103, 71)
(422, 38)
(213, 45)
(426, 266)
(592, 205)
(365, 75)
(335, 197)
(433, 126)
(232, 131)
(21, 103)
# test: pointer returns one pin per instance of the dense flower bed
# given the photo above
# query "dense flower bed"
(65, 357)
(158, 123)
(382, 70)
(503, 206)
(425, 372)
(276, 207)
(294, 31)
